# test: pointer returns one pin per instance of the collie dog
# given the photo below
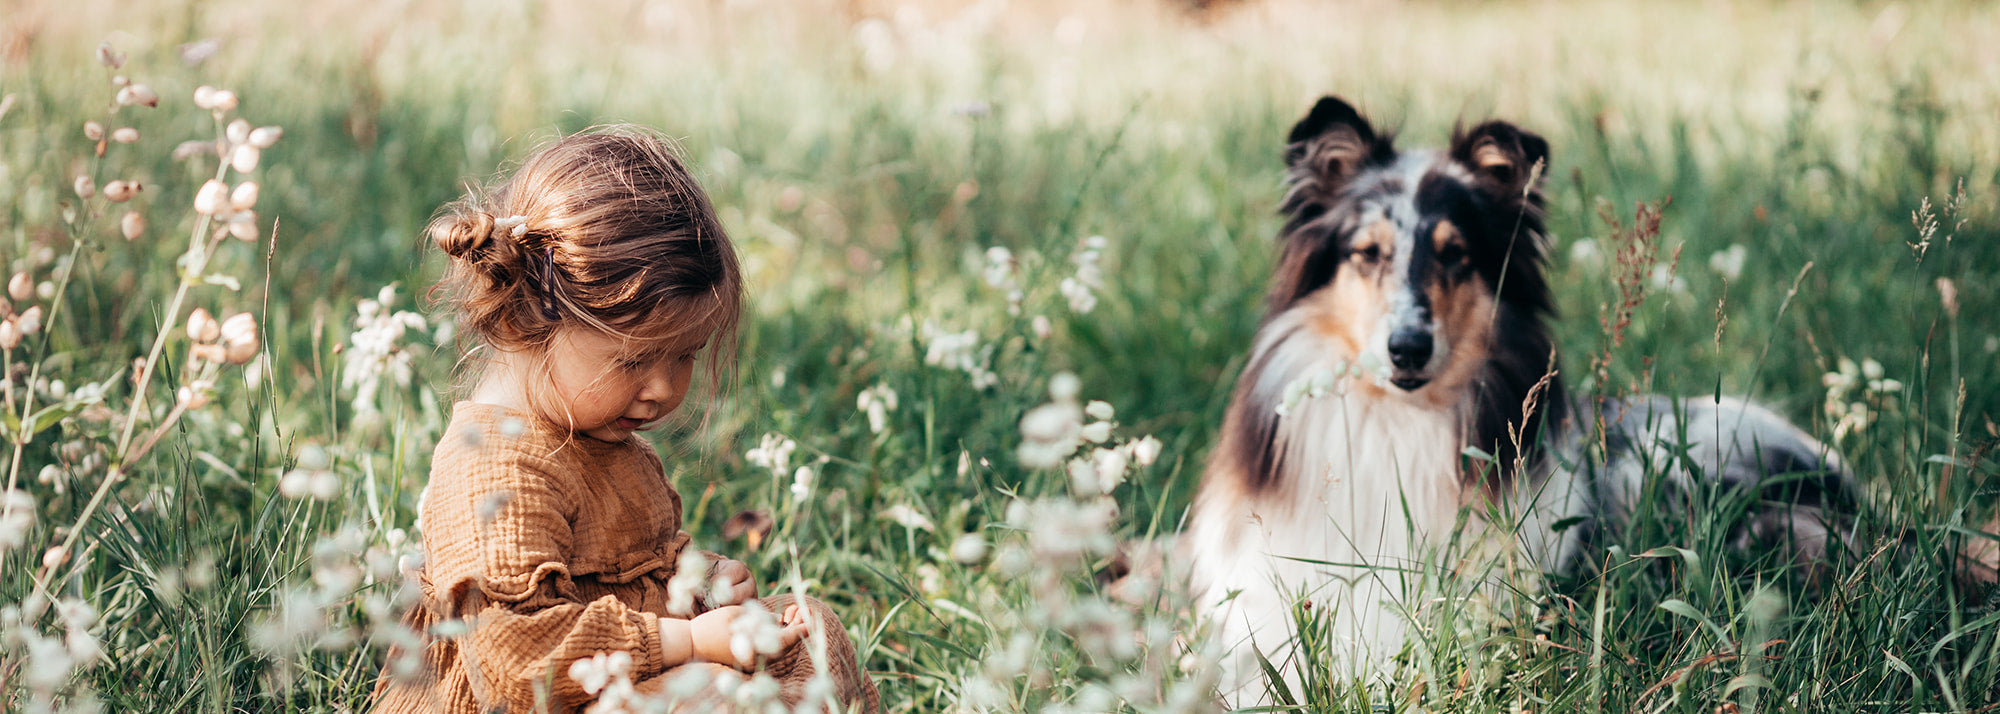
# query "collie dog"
(1408, 325)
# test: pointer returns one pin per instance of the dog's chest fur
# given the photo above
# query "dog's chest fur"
(1369, 482)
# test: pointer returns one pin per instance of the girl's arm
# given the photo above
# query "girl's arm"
(706, 638)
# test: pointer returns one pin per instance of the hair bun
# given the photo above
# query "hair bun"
(465, 235)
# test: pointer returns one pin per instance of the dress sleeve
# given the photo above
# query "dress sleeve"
(499, 545)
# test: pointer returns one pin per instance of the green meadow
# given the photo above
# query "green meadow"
(183, 534)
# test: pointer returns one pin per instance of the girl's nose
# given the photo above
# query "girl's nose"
(659, 382)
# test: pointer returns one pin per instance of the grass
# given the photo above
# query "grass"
(864, 159)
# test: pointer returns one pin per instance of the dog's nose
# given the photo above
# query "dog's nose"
(1410, 348)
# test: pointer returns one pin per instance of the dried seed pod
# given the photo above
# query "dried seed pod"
(121, 191)
(132, 225)
(85, 187)
(212, 198)
(21, 287)
(202, 326)
(10, 334)
(93, 131)
(243, 225)
(238, 131)
(125, 135)
(265, 136)
(138, 94)
(244, 197)
(244, 158)
(30, 320)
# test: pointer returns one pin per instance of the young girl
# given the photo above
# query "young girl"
(594, 278)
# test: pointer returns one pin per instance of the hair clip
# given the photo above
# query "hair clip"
(548, 280)
(515, 226)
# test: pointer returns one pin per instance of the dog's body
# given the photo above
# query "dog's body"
(1407, 322)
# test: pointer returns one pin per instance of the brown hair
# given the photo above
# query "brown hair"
(605, 229)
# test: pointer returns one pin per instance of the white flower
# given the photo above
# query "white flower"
(1729, 261)
(802, 480)
(1099, 409)
(908, 517)
(960, 351)
(1311, 385)
(374, 350)
(1081, 300)
(969, 549)
(1663, 278)
(1145, 451)
(755, 632)
(690, 576)
(876, 402)
(999, 267)
(773, 452)
(19, 518)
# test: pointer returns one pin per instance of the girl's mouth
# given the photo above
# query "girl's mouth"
(631, 424)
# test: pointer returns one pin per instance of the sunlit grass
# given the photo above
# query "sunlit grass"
(866, 158)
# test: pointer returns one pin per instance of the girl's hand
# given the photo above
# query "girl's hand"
(712, 631)
(735, 583)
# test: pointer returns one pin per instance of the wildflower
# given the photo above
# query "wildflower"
(908, 517)
(121, 191)
(375, 351)
(1314, 385)
(132, 225)
(802, 483)
(999, 267)
(10, 334)
(1145, 451)
(202, 327)
(21, 287)
(93, 131)
(969, 549)
(244, 197)
(264, 137)
(194, 396)
(755, 632)
(1584, 251)
(237, 131)
(591, 672)
(30, 320)
(1079, 289)
(1041, 327)
(1062, 528)
(85, 187)
(773, 452)
(244, 158)
(137, 94)
(1663, 278)
(239, 336)
(109, 57)
(125, 135)
(489, 507)
(876, 402)
(960, 351)
(1729, 261)
(54, 557)
(243, 225)
(690, 576)
(17, 517)
(212, 198)
(1948, 297)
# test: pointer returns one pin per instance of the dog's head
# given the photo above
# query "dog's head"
(1413, 262)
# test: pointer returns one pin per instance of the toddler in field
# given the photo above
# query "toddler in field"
(595, 278)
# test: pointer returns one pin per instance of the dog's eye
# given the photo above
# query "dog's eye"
(1371, 254)
(1452, 255)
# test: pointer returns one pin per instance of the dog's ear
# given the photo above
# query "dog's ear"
(1502, 158)
(1326, 149)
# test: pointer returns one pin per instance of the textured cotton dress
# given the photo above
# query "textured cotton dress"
(555, 547)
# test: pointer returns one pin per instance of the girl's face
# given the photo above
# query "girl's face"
(606, 387)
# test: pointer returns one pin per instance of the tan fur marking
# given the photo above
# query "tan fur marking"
(1445, 236)
(1488, 154)
(1465, 314)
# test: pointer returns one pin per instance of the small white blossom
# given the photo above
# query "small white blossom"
(773, 452)
(1729, 261)
(969, 549)
(876, 402)
(375, 350)
(802, 480)
(908, 517)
